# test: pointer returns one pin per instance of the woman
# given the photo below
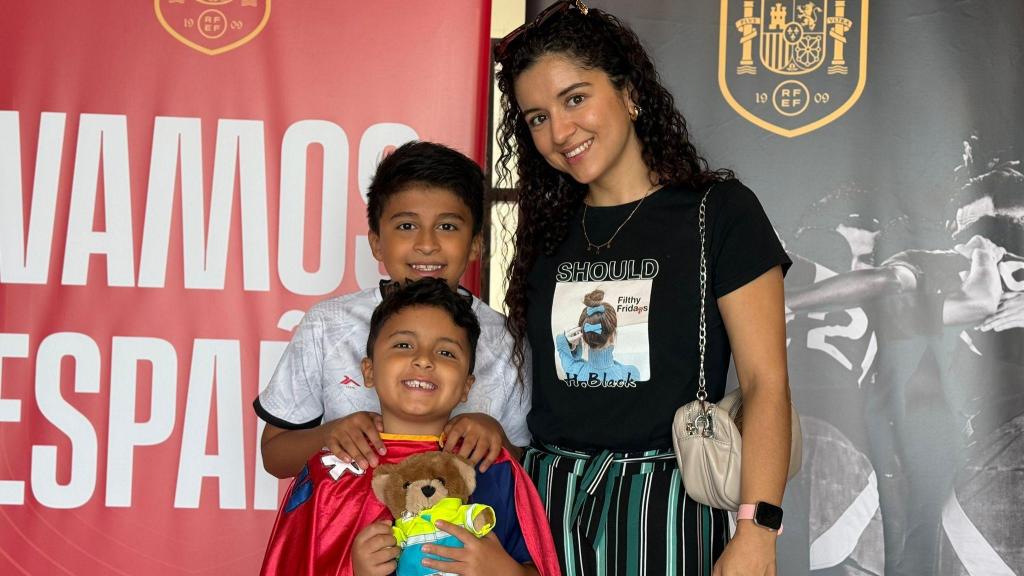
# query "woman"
(609, 194)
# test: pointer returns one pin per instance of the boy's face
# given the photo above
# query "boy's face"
(420, 369)
(425, 231)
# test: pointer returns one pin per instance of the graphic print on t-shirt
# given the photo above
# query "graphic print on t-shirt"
(599, 324)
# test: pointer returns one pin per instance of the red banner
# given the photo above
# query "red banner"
(179, 180)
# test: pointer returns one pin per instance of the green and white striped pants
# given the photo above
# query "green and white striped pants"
(624, 514)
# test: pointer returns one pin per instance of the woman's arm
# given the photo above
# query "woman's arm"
(755, 322)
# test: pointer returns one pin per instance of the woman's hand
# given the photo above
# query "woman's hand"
(482, 438)
(355, 438)
(750, 553)
(374, 550)
(478, 557)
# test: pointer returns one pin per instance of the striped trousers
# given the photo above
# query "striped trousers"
(624, 514)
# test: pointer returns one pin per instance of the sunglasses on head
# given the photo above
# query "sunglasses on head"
(502, 49)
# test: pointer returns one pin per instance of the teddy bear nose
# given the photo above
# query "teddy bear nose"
(428, 491)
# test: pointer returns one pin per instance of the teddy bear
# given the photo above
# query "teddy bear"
(422, 489)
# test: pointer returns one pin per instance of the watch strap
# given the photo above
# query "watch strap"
(746, 512)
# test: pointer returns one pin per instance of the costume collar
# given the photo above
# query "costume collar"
(413, 438)
(410, 437)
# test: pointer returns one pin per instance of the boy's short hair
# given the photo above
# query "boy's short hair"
(433, 292)
(426, 164)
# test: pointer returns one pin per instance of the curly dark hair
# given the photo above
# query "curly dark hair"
(548, 198)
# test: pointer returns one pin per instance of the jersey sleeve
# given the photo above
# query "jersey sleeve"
(743, 244)
(517, 400)
(293, 399)
(497, 391)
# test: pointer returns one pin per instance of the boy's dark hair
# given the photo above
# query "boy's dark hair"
(433, 292)
(426, 164)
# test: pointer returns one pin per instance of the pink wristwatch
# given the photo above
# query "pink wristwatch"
(763, 514)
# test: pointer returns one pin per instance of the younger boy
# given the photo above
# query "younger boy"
(425, 211)
(420, 352)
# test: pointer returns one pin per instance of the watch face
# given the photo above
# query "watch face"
(768, 515)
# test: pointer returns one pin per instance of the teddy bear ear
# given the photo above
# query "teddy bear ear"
(467, 473)
(380, 481)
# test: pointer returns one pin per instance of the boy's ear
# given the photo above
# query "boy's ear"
(470, 380)
(475, 248)
(374, 239)
(367, 367)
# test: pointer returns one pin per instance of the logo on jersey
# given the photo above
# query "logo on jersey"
(213, 26)
(792, 66)
(348, 381)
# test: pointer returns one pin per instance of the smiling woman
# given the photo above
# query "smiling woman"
(609, 189)
(580, 124)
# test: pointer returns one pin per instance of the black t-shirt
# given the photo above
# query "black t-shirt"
(634, 304)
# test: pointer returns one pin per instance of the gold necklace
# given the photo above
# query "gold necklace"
(608, 244)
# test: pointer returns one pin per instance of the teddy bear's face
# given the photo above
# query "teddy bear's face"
(422, 494)
(422, 480)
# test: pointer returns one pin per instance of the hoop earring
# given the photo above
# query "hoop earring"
(635, 112)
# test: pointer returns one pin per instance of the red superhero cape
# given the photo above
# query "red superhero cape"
(328, 503)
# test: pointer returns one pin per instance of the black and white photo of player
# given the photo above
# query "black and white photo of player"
(948, 325)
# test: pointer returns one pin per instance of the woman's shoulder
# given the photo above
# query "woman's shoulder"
(729, 196)
(732, 191)
(734, 198)
(724, 188)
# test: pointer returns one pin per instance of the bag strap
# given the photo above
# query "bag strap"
(702, 388)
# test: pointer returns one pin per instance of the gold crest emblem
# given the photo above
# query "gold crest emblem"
(792, 66)
(213, 26)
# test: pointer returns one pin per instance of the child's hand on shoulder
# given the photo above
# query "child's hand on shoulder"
(355, 438)
(478, 557)
(482, 438)
(374, 550)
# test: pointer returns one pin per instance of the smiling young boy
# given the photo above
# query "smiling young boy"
(425, 212)
(420, 355)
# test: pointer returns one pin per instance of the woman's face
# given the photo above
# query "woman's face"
(578, 120)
